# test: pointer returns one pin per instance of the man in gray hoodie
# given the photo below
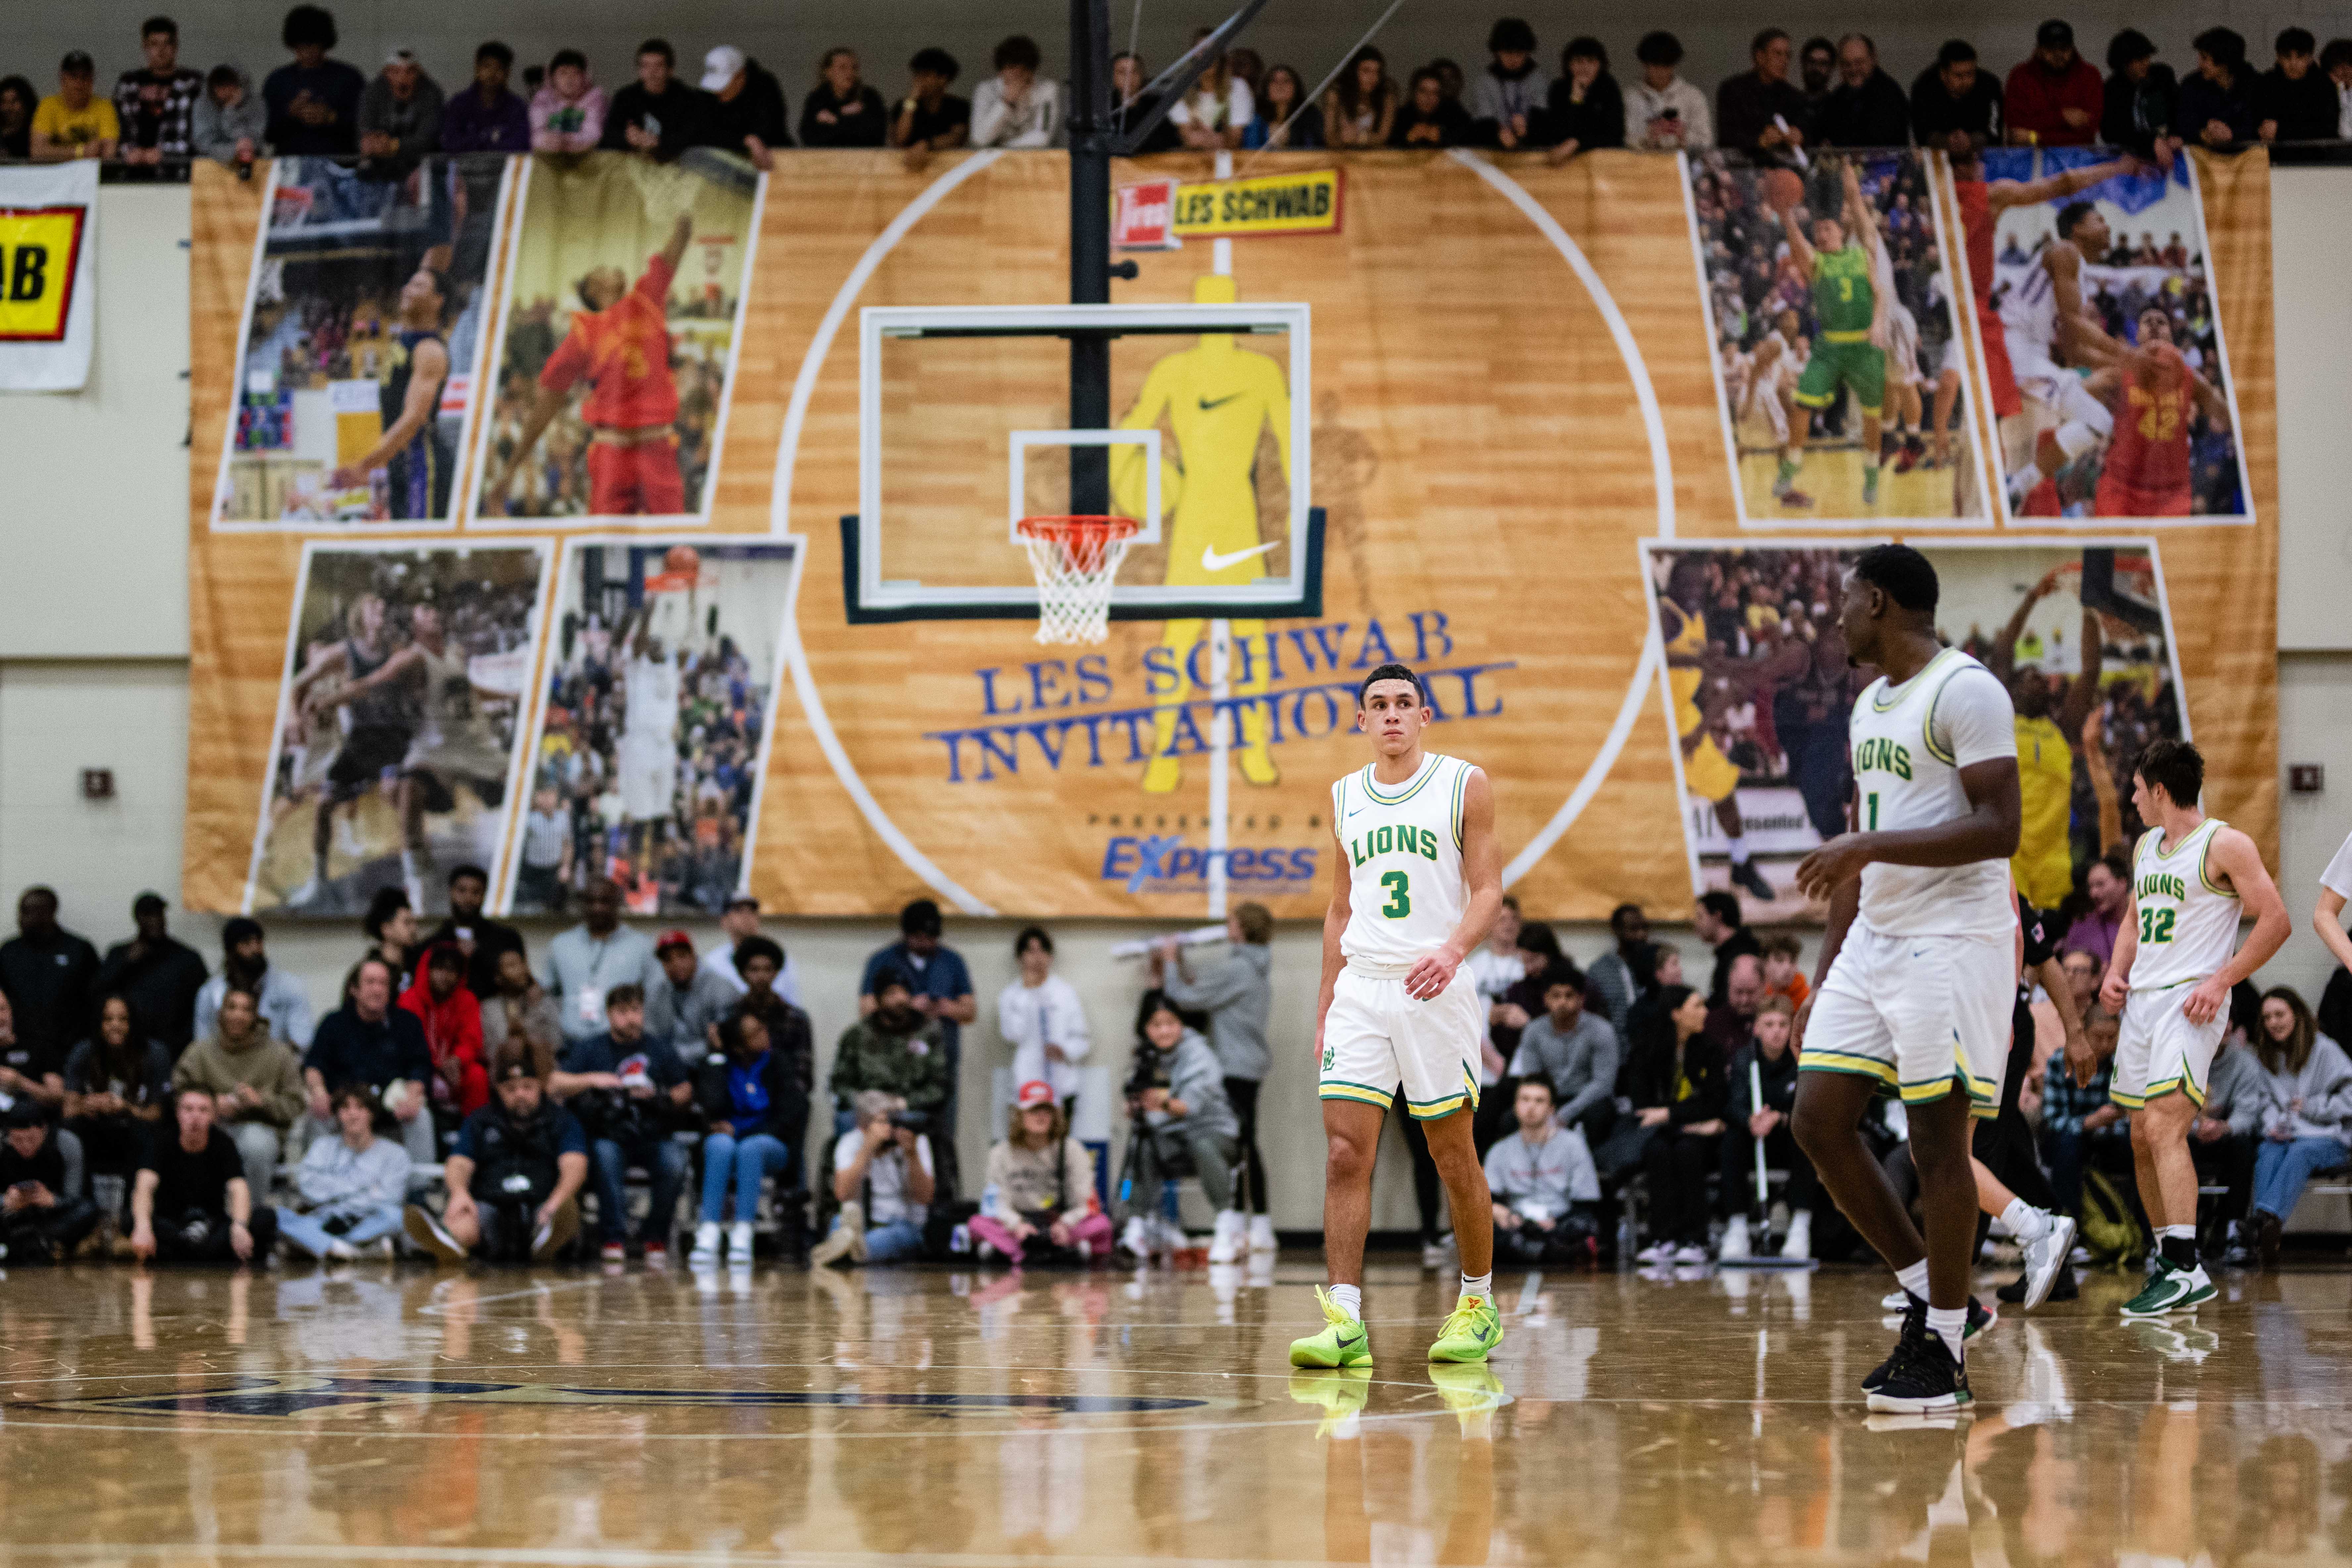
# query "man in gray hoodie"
(1182, 1123)
(1238, 996)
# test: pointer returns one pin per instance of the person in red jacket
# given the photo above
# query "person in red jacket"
(453, 1031)
(2054, 97)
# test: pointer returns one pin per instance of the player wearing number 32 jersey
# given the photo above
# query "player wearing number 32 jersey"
(1419, 883)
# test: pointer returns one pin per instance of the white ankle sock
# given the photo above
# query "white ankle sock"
(1952, 1325)
(1484, 1285)
(1349, 1299)
(2025, 1221)
(1914, 1279)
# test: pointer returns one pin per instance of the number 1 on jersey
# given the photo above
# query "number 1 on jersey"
(1400, 887)
(1871, 804)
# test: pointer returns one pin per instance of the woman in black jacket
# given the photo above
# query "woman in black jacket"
(1678, 1093)
(758, 1108)
(1587, 107)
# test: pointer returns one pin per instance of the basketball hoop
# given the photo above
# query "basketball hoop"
(1076, 559)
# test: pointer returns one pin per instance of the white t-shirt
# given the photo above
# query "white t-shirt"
(2337, 878)
(1238, 110)
(1030, 1018)
(886, 1179)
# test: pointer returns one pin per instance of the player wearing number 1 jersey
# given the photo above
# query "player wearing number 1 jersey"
(2192, 877)
(1421, 883)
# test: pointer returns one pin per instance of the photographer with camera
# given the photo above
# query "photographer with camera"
(39, 1222)
(1180, 1121)
(349, 1189)
(896, 1048)
(519, 1162)
(629, 1090)
(882, 1175)
(190, 1203)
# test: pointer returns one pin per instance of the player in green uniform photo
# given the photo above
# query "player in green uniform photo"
(1841, 263)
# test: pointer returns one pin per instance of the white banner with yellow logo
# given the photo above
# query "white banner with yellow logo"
(49, 228)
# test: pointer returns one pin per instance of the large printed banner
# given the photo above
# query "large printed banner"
(49, 255)
(1588, 445)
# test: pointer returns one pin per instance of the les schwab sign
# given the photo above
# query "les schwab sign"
(1160, 214)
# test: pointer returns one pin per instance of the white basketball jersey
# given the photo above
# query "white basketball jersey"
(2188, 927)
(1403, 843)
(652, 692)
(2031, 307)
(1906, 773)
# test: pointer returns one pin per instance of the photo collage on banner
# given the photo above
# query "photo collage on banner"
(363, 343)
(395, 754)
(649, 740)
(1759, 693)
(2102, 351)
(1840, 375)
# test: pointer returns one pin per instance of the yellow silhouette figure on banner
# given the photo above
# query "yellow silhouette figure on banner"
(1216, 398)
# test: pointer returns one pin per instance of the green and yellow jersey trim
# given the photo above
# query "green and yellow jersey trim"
(1420, 782)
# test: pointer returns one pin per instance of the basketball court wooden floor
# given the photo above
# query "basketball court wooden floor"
(374, 1417)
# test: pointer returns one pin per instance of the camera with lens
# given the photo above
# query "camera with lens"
(1150, 1072)
(916, 1121)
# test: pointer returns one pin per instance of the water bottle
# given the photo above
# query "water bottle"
(988, 1200)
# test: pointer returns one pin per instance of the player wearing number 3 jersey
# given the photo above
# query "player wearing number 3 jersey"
(1421, 883)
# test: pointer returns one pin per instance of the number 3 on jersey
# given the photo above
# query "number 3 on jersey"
(1400, 887)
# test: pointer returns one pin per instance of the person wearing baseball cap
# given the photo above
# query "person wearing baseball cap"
(2054, 96)
(74, 121)
(1041, 1205)
(748, 110)
(686, 1001)
(160, 974)
(515, 1173)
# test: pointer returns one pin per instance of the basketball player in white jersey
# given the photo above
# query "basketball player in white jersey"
(2193, 878)
(1420, 881)
(648, 761)
(1918, 963)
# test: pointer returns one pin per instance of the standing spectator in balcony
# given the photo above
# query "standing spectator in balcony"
(229, 125)
(1220, 106)
(48, 975)
(74, 121)
(1129, 104)
(2140, 94)
(1586, 109)
(1429, 119)
(1816, 74)
(930, 118)
(1954, 106)
(1760, 111)
(657, 114)
(473, 934)
(256, 1079)
(1866, 108)
(160, 974)
(1508, 98)
(1014, 108)
(843, 110)
(1360, 106)
(116, 1084)
(746, 105)
(156, 104)
(1664, 112)
(2216, 105)
(1284, 121)
(2335, 59)
(348, 1189)
(245, 961)
(314, 103)
(567, 114)
(18, 102)
(2055, 98)
(487, 119)
(2293, 102)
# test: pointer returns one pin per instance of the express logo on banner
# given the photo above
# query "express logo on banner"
(39, 247)
(1164, 863)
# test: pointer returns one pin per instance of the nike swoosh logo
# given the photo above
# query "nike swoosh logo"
(1220, 402)
(1343, 1344)
(1213, 562)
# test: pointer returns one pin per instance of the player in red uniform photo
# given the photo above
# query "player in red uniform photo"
(2146, 473)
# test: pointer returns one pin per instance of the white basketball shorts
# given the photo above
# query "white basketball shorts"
(1915, 1012)
(647, 770)
(2159, 1050)
(1377, 1040)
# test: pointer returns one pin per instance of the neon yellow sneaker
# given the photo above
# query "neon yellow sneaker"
(1474, 1329)
(1340, 1392)
(1344, 1341)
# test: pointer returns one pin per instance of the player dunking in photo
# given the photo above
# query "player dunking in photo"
(2147, 470)
(1918, 962)
(417, 457)
(1421, 881)
(1707, 773)
(2192, 878)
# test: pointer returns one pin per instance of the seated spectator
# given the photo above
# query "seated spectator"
(1284, 119)
(1954, 106)
(1547, 1195)
(1585, 109)
(452, 1018)
(17, 103)
(514, 1177)
(255, 1079)
(788, 1027)
(476, 934)
(1180, 1121)
(2140, 94)
(1013, 108)
(657, 114)
(894, 1050)
(390, 925)
(2082, 1127)
(400, 118)
(369, 1042)
(2294, 100)
(1576, 1051)
(1676, 1080)
(42, 1220)
(1040, 1016)
(2226, 1131)
(1760, 111)
(1495, 967)
(74, 121)
(1784, 976)
(1040, 1188)
(2336, 60)
(2304, 1116)
(2108, 883)
(1429, 119)
(1508, 102)
(882, 1175)
(593, 957)
(1237, 994)
(2216, 105)
(1665, 113)
(1359, 106)
(1866, 108)
(1611, 978)
(313, 104)
(1731, 1022)
(523, 1010)
(2053, 97)
(684, 1005)
(245, 961)
(746, 105)
(35, 1076)
(567, 115)
(487, 117)
(930, 118)
(1748, 1122)
(116, 1085)
(630, 1091)
(1220, 104)
(190, 1203)
(349, 1189)
(155, 105)
(842, 110)
(756, 1104)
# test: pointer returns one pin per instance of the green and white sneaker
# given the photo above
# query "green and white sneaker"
(1473, 1329)
(1344, 1342)
(2171, 1288)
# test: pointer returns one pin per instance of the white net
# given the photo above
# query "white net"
(1076, 559)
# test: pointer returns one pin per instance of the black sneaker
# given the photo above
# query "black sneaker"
(1926, 1380)
(1981, 1318)
(1750, 881)
(1914, 1327)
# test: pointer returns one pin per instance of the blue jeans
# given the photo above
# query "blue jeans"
(889, 1243)
(305, 1231)
(747, 1160)
(2282, 1169)
(665, 1160)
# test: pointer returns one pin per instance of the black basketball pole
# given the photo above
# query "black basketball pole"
(1089, 128)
